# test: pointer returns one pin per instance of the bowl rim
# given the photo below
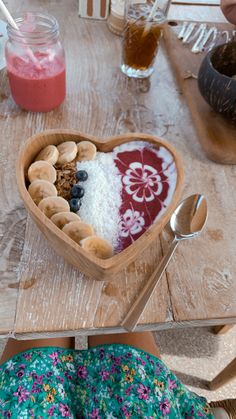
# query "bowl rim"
(209, 58)
(106, 144)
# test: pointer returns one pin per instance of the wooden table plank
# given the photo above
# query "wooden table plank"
(93, 112)
(53, 296)
(199, 13)
(12, 217)
(197, 2)
(212, 272)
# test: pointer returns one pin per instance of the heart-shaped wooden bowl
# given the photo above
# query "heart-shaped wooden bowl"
(98, 269)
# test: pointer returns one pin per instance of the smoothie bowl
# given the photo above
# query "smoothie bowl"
(99, 202)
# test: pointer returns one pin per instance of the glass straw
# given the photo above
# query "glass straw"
(149, 18)
(11, 22)
(153, 11)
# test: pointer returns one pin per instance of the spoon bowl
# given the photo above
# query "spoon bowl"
(189, 217)
(187, 221)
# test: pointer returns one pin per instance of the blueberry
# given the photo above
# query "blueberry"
(81, 175)
(77, 191)
(74, 204)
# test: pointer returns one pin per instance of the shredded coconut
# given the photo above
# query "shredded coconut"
(102, 197)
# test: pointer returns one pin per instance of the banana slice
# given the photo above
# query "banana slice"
(49, 154)
(67, 152)
(63, 218)
(52, 205)
(86, 151)
(40, 189)
(42, 170)
(97, 247)
(78, 231)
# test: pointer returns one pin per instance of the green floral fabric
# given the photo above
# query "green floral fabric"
(110, 381)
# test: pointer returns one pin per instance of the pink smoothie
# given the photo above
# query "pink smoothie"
(37, 89)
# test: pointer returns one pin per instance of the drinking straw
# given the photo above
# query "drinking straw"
(153, 11)
(149, 18)
(8, 15)
(11, 22)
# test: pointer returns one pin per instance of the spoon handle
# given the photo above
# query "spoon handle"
(132, 317)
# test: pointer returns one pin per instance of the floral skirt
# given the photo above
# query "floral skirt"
(109, 381)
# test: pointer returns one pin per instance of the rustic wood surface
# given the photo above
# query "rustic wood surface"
(197, 2)
(216, 134)
(41, 294)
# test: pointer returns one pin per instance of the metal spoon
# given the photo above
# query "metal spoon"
(187, 221)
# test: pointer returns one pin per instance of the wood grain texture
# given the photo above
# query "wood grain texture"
(12, 219)
(84, 303)
(198, 2)
(199, 13)
(53, 298)
(217, 135)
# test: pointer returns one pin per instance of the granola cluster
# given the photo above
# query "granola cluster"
(66, 178)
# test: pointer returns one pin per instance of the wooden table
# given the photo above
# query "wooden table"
(40, 294)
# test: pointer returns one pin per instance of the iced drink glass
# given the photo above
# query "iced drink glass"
(140, 38)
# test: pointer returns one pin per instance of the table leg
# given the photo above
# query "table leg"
(228, 374)
(221, 330)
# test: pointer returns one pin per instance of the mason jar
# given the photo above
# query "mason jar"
(36, 62)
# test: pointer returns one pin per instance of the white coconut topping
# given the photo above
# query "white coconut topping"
(102, 197)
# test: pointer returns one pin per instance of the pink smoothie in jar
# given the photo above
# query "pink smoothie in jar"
(37, 89)
(35, 63)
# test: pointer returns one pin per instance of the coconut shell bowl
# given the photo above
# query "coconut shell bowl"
(217, 79)
(150, 176)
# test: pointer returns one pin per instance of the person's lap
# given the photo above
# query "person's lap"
(123, 374)
(141, 340)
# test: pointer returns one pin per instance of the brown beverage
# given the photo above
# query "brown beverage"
(141, 37)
